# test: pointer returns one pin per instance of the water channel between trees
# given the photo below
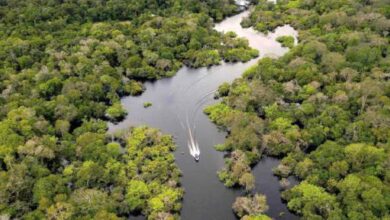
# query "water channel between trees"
(185, 95)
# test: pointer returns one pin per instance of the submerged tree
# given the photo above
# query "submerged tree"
(251, 207)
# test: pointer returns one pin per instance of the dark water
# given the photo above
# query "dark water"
(181, 99)
(268, 184)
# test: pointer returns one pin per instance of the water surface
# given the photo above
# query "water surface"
(182, 98)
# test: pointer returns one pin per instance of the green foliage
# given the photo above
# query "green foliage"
(204, 58)
(147, 104)
(251, 207)
(116, 112)
(322, 106)
(234, 55)
(152, 161)
(364, 196)
(286, 41)
(237, 172)
(133, 88)
(104, 181)
(87, 202)
(362, 156)
(137, 195)
(223, 89)
(217, 112)
(64, 65)
(313, 202)
(363, 56)
(256, 217)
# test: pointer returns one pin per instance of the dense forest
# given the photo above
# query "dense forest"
(63, 67)
(323, 108)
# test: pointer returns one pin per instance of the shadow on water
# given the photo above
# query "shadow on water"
(186, 93)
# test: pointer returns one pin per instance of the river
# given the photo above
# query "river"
(185, 95)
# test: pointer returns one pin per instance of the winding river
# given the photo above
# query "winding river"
(184, 96)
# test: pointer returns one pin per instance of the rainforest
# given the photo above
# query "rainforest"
(195, 109)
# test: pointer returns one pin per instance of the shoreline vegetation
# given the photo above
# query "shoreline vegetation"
(64, 65)
(322, 108)
(286, 41)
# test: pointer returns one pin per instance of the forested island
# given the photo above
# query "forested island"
(323, 108)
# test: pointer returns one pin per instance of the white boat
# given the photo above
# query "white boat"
(197, 157)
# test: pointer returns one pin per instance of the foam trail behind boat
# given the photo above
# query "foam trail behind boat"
(193, 145)
(197, 150)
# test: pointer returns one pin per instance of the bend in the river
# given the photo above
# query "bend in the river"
(182, 98)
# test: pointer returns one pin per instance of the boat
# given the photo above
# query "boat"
(197, 157)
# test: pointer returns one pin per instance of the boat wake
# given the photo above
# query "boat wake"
(190, 127)
(192, 144)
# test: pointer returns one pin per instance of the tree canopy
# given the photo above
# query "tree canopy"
(64, 65)
(322, 108)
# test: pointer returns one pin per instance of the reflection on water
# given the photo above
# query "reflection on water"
(185, 95)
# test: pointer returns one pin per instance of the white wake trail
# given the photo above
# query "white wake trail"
(192, 144)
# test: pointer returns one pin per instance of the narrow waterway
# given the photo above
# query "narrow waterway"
(183, 97)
